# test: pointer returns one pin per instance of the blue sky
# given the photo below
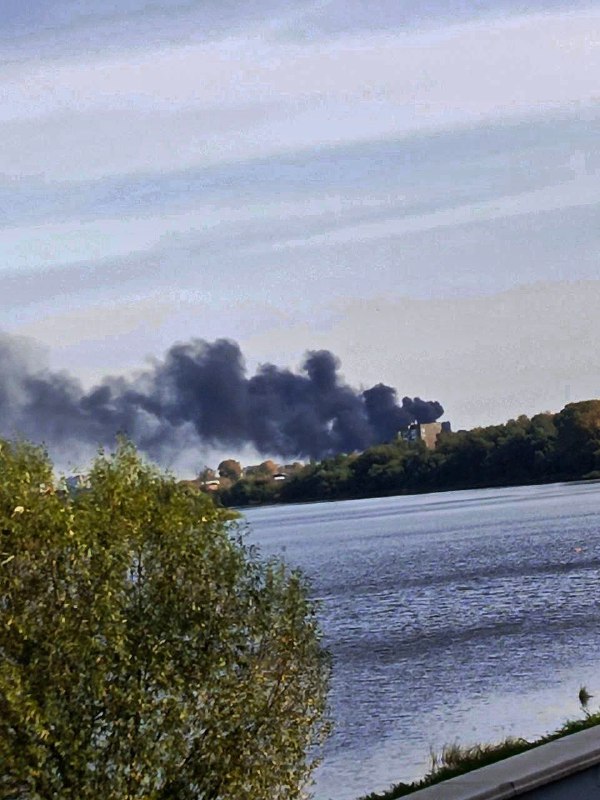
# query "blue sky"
(411, 184)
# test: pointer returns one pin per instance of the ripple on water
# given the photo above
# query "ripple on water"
(466, 615)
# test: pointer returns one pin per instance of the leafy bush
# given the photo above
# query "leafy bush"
(145, 650)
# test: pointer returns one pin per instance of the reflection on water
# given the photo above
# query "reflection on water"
(458, 616)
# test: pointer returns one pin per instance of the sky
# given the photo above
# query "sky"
(412, 184)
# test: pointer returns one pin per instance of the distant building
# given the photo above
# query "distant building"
(427, 433)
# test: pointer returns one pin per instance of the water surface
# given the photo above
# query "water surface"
(459, 616)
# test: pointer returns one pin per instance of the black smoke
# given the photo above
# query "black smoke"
(199, 394)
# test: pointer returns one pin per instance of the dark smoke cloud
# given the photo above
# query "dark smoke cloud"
(197, 395)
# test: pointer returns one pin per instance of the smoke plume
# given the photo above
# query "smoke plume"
(198, 395)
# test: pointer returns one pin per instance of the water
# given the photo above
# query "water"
(461, 616)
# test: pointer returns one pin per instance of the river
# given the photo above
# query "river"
(459, 616)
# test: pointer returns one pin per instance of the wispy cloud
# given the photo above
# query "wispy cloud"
(323, 199)
(241, 97)
(582, 191)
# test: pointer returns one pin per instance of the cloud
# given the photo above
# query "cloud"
(230, 290)
(245, 97)
(70, 242)
(258, 210)
(582, 191)
(525, 350)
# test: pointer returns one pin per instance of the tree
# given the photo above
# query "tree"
(266, 469)
(206, 474)
(145, 651)
(230, 469)
(578, 441)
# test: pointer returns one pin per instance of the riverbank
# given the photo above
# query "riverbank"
(279, 502)
(455, 760)
(548, 448)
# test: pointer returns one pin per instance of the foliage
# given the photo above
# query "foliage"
(207, 474)
(265, 469)
(145, 651)
(547, 447)
(230, 469)
(578, 444)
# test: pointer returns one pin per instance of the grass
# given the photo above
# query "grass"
(456, 759)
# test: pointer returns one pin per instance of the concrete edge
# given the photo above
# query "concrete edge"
(521, 773)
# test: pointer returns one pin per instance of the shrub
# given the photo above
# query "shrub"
(145, 650)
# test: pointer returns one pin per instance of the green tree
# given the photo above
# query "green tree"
(206, 474)
(266, 469)
(145, 651)
(230, 469)
(578, 441)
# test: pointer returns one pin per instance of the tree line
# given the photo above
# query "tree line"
(544, 448)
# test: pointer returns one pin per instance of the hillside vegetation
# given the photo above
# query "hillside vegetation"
(544, 448)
